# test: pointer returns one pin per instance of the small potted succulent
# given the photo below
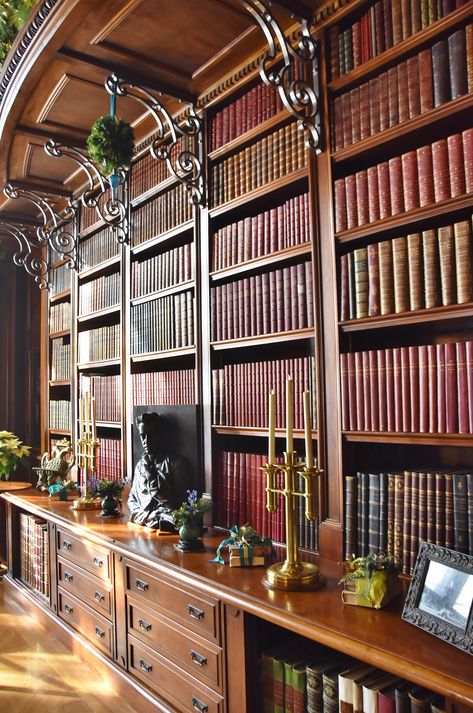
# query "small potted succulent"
(370, 581)
(110, 492)
(188, 521)
(12, 453)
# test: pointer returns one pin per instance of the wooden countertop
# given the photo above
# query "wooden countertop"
(378, 637)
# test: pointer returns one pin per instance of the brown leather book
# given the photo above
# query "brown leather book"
(396, 10)
(373, 194)
(410, 180)
(356, 41)
(352, 391)
(431, 268)
(393, 100)
(360, 404)
(351, 287)
(426, 175)
(351, 519)
(467, 137)
(420, 700)
(351, 198)
(366, 390)
(469, 56)
(374, 105)
(456, 165)
(399, 482)
(441, 80)
(413, 81)
(396, 185)
(333, 44)
(403, 91)
(365, 127)
(374, 303)
(362, 199)
(384, 190)
(441, 170)
(390, 403)
(355, 114)
(469, 378)
(347, 119)
(414, 521)
(463, 261)
(440, 509)
(387, 24)
(383, 101)
(426, 81)
(415, 16)
(340, 205)
(406, 523)
(344, 392)
(447, 264)
(386, 279)
(432, 388)
(451, 393)
(414, 387)
(406, 22)
(457, 63)
(431, 515)
(344, 314)
(462, 388)
(406, 390)
(400, 275)
(374, 393)
(415, 271)
(390, 515)
(361, 282)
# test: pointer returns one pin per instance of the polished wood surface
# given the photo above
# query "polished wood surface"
(378, 637)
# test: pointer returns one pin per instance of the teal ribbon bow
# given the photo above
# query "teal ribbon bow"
(239, 537)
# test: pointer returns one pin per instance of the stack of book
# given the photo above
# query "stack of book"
(165, 212)
(161, 271)
(99, 344)
(34, 553)
(107, 393)
(162, 324)
(99, 294)
(60, 415)
(60, 279)
(60, 360)
(100, 247)
(59, 317)
(148, 172)
(109, 459)
(163, 387)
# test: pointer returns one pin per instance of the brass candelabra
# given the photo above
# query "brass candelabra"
(86, 452)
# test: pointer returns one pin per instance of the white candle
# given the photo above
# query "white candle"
(309, 455)
(81, 418)
(272, 423)
(92, 418)
(86, 415)
(289, 434)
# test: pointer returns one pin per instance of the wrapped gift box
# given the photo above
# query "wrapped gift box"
(247, 556)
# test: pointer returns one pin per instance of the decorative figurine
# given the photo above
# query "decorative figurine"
(55, 467)
(160, 479)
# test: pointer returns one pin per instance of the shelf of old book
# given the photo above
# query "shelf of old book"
(260, 431)
(401, 50)
(60, 382)
(61, 333)
(162, 238)
(106, 312)
(153, 192)
(420, 316)
(264, 127)
(166, 354)
(173, 290)
(59, 431)
(463, 440)
(109, 424)
(64, 295)
(105, 363)
(99, 268)
(256, 263)
(262, 339)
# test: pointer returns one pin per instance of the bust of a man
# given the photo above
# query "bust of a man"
(160, 480)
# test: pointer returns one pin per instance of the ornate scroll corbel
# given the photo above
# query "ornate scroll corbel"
(186, 167)
(113, 211)
(29, 254)
(57, 231)
(296, 79)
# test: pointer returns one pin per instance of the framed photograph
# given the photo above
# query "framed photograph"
(440, 596)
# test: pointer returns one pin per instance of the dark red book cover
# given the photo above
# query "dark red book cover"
(382, 396)
(351, 201)
(387, 24)
(469, 379)
(426, 175)
(356, 38)
(383, 102)
(390, 401)
(355, 114)
(406, 526)
(393, 97)
(441, 170)
(360, 403)
(423, 389)
(362, 197)
(457, 63)
(467, 137)
(374, 393)
(406, 392)
(374, 304)
(426, 81)
(374, 105)
(430, 255)
(451, 394)
(462, 388)
(347, 120)
(384, 190)
(403, 92)
(366, 390)
(432, 387)
(430, 504)
(365, 129)
(441, 390)
(414, 387)
(352, 392)
(441, 80)
(395, 183)
(413, 85)
(448, 507)
(373, 194)
(410, 180)
(456, 165)
(344, 392)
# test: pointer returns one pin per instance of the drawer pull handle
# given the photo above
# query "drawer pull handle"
(99, 597)
(68, 577)
(144, 625)
(100, 632)
(194, 612)
(98, 562)
(141, 585)
(68, 609)
(145, 666)
(198, 658)
(199, 706)
(66, 545)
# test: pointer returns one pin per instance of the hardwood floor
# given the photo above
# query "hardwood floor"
(38, 674)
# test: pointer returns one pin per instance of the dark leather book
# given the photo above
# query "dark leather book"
(406, 523)
(390, 515)
(426, 89)
(374, 304)
(447, 264)
(432, 388)
(393, 97)
(386, 277)
(362, 198)
(413, 81)
(396, 185)
(422, 535)
(334, 55)
(406, 22)
(441, 390)
(469, 379)
(415, 271)
(441, 170)
(374, 105)
(397, 372)
(351, 519)
(460, 512)
(360, 404)
(463, 261)
(352, 391)
(309, 283)
(390, 402)
(373, 194)
(374, 390)
(399, 483)
(384, 190)
(414, 387)
(456, 165)
(383, 101)
(431, 515)
(462, 388)
(387, 24)
(420, 699)
(415, 16)
(356, 41)
(414, 521)
(403, 91)
(340, 205)
(314, 673)
(373, 512)
(348, 49)
(467, 137)
(351, 286)
(451, 393)
(355, 114)
(448, 507)
(410, 180)
(361, 282)
(431, 268)
(351, 201)
(401, 697)
(423, 389)
(406, 391)
(469, 507)
(440, 504)
(383, 512)
(469, 56)
(366, 390)
(346, 125)
(396, 10)
(365, 127)
(426, 175)
(400, 275)
(441, 79)
(457, 63)
(382, 401)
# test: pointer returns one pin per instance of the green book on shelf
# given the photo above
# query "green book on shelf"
(267, 682)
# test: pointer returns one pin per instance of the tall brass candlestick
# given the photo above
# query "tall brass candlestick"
(86, 451)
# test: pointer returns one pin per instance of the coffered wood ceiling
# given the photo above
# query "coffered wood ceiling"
(182, 47)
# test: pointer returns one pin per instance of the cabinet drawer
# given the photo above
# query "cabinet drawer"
(94, 558)
(198, 657)
(170, 682)
(90, 624)
(95, 592)
(195, 611)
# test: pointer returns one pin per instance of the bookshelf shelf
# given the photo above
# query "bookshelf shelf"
(101, 267)
(85, 366)
(94, 228)
(109, 424)
(60, 382)
(66, 294)
(261, 339)
(464, 440)
(260, 262)
(82, 318)
(373, 143)
(153, 192)
(62, 333)
(260, 432)
(163, 238)
(442, 209)
(168, 354)
(401, 50)
(59, 431)
(255, 133)
(269, 188)
(434, 314)
(174, 290)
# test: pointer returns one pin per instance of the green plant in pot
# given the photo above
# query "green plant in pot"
(110, 492)
(111, 146)
(12, 453)
(188, 520)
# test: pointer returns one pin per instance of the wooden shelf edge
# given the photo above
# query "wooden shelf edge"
(161, 187)
(248, 136)
(429, 439)
(62, 333)
(174, 290)
(400, 50)
(162, 238)
(262, 261)
(435, 210)
(60, 431)
(382, 138)
(97, 364)
(114, 309)
(262, 339)
(169, 353)
(267, 189)
(109, 424)
(258, 431)
(102, 266)
(432, 314)
(59, 296)
(60, 382)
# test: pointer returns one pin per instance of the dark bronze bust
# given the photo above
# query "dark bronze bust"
(160, 479)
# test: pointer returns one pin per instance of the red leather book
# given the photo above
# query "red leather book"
(415, 16)
(390, 400)
(414, 387)
(373, 194)
(383, 101)
(355, 114)
(366, 390)
(430, 508)
(365, 129)
(309, 283)
(387, 24)
(396, 21)
(441, 390)
(362, 200)
(272, 302)
(280, 301)
(400, 275)
(441, 80)
(403, 91)
(462, 388)
(413, 81)
(469, 380)
(395, 183)
(410, 180)
(457, 63)
(469, 56)
(405, 388)
(344, 392)
(374, 392)
(344, 313)
(374, 105)
(426, 81)
(431, 268)
(456, 165)
(384, 190)
(374, 303)
(300, 298)
(352, 422)
(440, 509)
(382, 395)
(423, 390)
(406, 22)
(415, 271)
(287, 287)
(451, 394)
(360, 404)
(426, 175)
(386, 279)
(333, 44)
(432, 404)
(441, 170)
(467, 137)
(356, 40)
(393, 97)
(351, 201)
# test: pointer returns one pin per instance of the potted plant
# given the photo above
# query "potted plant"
(188, 521)
(12, 453)
(370, 581)
(110, 492)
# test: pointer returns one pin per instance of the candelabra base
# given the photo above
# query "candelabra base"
(86, 503)
(294, 576)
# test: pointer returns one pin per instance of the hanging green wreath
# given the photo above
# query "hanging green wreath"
(111, 143)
